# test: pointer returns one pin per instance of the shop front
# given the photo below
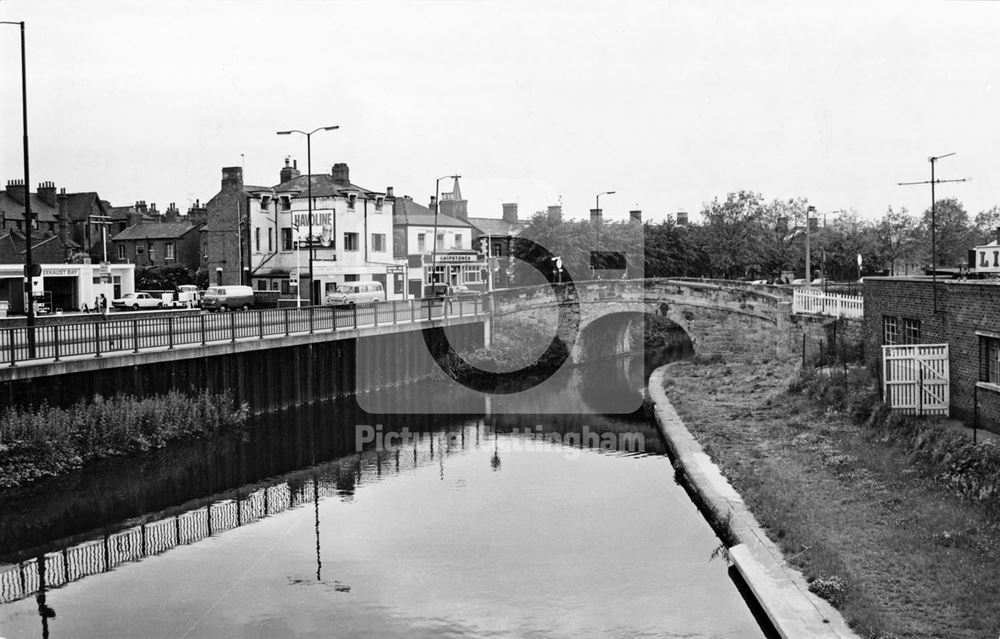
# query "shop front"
(65, 287)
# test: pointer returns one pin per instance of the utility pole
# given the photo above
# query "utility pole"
(809, 211)
(933, 160)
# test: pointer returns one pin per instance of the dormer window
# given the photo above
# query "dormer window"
(286, 203)
(378, 204)
(265, 202)
(352, 200)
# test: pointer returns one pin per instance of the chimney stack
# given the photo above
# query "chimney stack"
(140, 208)
(635, 217)
(682, 218)
(232, 178)
(555, 213)
(47, 193)
(63, 217)
(197, 213)
(15, 190)
(290, 171)
(341, 174)
(510, 212)
(388, 192)
(172, 213)
(433, 204)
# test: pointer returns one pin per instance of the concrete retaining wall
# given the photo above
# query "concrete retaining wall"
(781, 591)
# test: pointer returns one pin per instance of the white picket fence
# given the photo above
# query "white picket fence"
(916, 378)
(814, 302)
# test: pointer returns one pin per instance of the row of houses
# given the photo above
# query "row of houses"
(260, 236)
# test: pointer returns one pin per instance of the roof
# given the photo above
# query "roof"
(15, 210)
(322, 186)
(155, 231)
(414, 214)
(80, 206)
(493, 226)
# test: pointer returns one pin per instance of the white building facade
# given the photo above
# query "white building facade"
(350, 237)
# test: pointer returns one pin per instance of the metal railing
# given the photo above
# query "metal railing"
(55, 342)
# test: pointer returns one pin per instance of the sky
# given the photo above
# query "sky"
(669, 104)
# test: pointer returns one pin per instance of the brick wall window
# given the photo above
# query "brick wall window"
(352, 201)
(890, 330)
(911, 331)
(378, 242)
(990, 369)
(286, 239)
(121, 251)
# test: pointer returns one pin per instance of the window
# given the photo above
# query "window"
(352, 200)
(286, 239)
(168, 251)
(121, 251)
(261, 285)
(890, 331)
(152, 252)
(458, 241)
(990, 347)
(911, 331)
(379, 201)
(270, 240)
(256, 239)
(352, 277)
(497, 250)
(421, 242)
(139, 250)
(440, 241)
(265, 202)
(378, 242)
(286, 203)
(350, 241)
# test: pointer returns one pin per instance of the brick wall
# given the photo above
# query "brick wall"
(963, 307)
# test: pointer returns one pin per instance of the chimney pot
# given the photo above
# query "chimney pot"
(510, 212)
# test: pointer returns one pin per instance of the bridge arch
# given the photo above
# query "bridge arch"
(725, 318)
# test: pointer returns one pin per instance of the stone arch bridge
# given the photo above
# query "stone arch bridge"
(733, 319)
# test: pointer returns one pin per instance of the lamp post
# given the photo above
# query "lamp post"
(29, 267)
(434, 246)
(309, 193)
(597, 227)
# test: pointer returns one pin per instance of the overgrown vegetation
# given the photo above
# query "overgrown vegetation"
(893, 519)
(45, 441)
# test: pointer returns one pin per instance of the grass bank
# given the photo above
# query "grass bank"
(895, 521)
(45, 441)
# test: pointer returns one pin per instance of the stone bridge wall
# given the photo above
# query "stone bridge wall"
(726, 319)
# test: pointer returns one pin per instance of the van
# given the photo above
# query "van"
(351, 293)
(223, 298)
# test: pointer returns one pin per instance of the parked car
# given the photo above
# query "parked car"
(224, 298)
(799, 282)
(136, 301)
(461, 290)
(351, 293)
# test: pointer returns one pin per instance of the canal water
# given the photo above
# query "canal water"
(332, 522)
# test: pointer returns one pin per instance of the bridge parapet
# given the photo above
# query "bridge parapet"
(719, 317)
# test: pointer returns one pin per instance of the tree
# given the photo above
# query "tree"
(162, 278)
(730, 234)
(986, 225)
(672, 250)
(895, 239)
(955, 235)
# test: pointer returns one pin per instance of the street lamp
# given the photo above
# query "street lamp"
(437, 196)
(597, 228)
(29, 267)
(309, 192)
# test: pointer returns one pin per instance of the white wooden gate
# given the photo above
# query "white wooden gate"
(915, 378)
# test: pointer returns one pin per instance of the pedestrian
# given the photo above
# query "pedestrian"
(104, 306)
(97, 305)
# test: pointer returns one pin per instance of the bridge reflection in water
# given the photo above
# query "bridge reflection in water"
(306, 462)
(61, 564)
